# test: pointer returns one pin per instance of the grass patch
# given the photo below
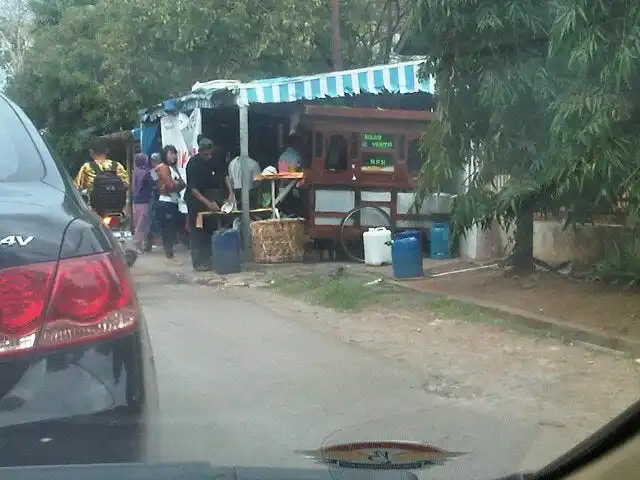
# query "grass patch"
(446, 307)
(449, 308)
(356, 292)
(345, 292)
(349, 292)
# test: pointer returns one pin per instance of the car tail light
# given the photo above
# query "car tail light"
(50, 305)
(111, 222)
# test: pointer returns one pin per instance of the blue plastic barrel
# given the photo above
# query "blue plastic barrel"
(439, 241)
(225, 251)
(406, 257)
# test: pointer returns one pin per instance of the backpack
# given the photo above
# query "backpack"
(109, 192)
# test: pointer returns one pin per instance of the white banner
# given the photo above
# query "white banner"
(182, 132)
(192, 129)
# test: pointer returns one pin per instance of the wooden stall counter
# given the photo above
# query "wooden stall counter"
(281, 176)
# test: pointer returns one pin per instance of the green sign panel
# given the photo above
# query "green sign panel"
(377, 141)
(381, 162)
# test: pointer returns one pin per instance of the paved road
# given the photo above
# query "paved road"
(243, 385)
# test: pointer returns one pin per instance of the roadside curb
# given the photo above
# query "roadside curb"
(552, 327)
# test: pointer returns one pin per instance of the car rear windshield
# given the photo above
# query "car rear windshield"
(20, 160)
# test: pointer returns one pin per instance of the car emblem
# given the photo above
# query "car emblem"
(390, 455)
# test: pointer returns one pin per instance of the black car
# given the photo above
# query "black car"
(77, 380)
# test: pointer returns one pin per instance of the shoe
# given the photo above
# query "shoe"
(202, 268)
(174, 262)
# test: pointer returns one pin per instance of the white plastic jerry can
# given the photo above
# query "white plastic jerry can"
(377, 246)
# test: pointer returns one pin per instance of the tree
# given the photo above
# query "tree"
(596, 109)
(15, 34)
(488, 58)
(65, 84)
(94, 64)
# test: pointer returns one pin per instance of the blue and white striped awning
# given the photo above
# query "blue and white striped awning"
(398, 78)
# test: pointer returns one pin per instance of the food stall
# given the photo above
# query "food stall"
(361, 156)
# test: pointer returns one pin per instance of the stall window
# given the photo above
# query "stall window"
(355, 138)
(337, 154)
(401, 149)
(415, 158)
(307, 153)
(318, 145)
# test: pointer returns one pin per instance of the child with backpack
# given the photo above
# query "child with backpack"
(106, 181)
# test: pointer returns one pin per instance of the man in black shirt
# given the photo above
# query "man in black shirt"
(208, 187)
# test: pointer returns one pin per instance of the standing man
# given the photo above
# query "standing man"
(236, 173)
(208, 186)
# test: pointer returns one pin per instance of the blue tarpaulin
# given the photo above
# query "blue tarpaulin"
(150, 138)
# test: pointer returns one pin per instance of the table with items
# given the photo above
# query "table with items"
(256, 214)
(274, 239)
(289, 180)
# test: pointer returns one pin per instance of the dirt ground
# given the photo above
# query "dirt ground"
(611, 311)
(461, 352)
(564, 386)
(606, 309)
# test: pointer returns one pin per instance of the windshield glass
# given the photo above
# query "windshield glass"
(20, 160)
(356, 236)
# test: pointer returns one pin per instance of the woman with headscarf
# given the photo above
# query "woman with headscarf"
(141, 191)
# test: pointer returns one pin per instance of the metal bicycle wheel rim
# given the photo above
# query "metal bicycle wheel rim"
(346, 218)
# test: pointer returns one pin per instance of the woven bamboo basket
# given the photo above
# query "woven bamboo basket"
(277, 241)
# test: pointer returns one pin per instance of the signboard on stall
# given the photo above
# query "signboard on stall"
(376, 162)
(182, 132)
(377, 141)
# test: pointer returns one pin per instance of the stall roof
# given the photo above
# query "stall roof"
(397, 78)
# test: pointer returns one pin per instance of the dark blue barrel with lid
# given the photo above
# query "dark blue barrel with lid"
(225, 251)
(406, 255)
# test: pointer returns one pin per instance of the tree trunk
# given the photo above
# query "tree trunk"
(522, 256)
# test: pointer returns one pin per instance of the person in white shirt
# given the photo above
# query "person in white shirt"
(235, 175)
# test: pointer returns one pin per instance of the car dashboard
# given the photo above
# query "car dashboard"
(196, 471)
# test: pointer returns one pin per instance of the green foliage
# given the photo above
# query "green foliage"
(621, 261)
(488, 59)
(596, 121)
(93, 64)
(65, 84)
(543, 95)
